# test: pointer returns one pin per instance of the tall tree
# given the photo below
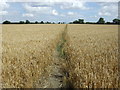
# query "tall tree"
(81, 21)
(27, 22)
(101, 21)
(42, 22)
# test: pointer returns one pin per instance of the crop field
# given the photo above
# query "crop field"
(27, 52)
(94, 56)
(82, 56)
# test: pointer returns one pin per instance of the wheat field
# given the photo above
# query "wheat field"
(27, 51)
(93, 56)
(92, 50)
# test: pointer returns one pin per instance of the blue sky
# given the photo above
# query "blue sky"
(58, 11)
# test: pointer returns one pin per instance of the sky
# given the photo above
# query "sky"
(58, 11)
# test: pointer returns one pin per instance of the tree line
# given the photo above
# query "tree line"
(100, 21)
(79, 21)
(27, 22)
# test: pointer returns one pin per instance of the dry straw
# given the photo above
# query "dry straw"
(90, 52)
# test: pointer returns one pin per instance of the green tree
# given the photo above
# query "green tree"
(21, 22)
(76, 22)
(116, 21)
(27, 22)
(42, 22)
(6, 22)
(101, 21)
(48, 22)
(36, 22)
(63, 22)
(81, 21)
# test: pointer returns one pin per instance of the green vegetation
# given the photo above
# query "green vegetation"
(6, 22)
(27, 22)
(116, 21)
(79, 21)
(101, 21)
(60, 46)
(22, 22)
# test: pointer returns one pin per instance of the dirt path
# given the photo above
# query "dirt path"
(57, 76)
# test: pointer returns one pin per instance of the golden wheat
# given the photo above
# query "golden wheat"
(27, 52)
(93, 51)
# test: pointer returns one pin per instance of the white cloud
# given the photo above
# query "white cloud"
(108, 9)
(3, 6)
(3, 12)
(38, 9)
(54, 12)
(95, 16)
(62, 15)
(28, 15)
(71, 13)
(48, 6)
(62, 0)
(74, 5)
(104, 14)
(103, 0)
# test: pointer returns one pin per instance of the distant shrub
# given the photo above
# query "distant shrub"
(21, 22)
(6, 22)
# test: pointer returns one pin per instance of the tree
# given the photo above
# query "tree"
(116, 21)
(21, 22)
(101, 21)
(63, 23)
(53, 23)
(76, 22)
(81, 21)
(36, 22)
(48, 22)
(89, 23)
(6, 22)
(27, 22)
(109, 22)
(42, 22)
